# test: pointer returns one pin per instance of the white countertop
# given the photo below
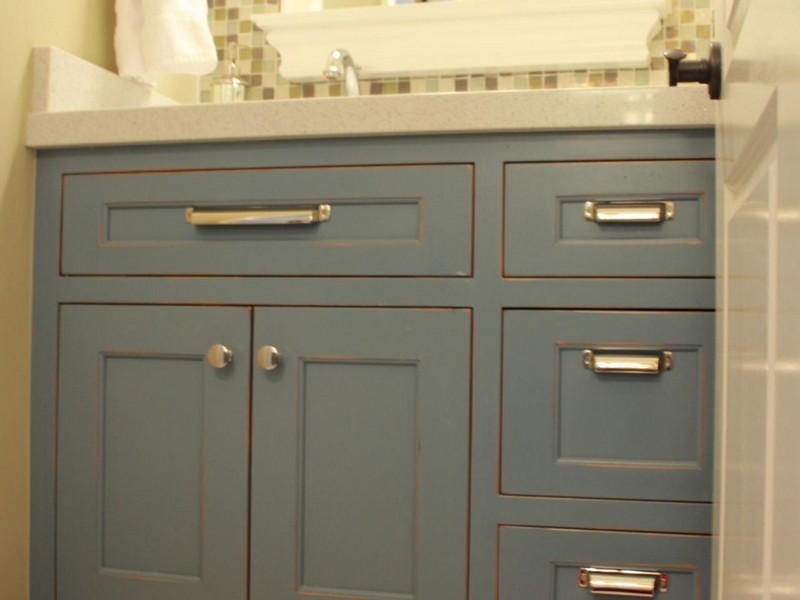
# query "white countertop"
(64, 114)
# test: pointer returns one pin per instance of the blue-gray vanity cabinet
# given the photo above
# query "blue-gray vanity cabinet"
(408, 446)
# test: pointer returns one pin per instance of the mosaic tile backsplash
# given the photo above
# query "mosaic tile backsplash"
(689, 27)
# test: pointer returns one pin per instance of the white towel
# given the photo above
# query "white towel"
(163, 36)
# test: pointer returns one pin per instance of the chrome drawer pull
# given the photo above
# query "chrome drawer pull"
(635, 364)
(273, 216)
(624, 211)
(623, 582)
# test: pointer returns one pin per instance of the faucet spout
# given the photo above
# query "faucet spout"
(340, 66)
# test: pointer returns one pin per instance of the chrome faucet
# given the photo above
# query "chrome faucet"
(341, 66)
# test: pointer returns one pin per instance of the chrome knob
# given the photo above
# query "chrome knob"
(269, 358)
(219, 356)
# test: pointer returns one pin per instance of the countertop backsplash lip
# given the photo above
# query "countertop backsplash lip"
(63, 82)
(407, 114)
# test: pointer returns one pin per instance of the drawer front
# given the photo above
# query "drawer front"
(573, 425)
(623, 219)
(552, 564)
(394, 221)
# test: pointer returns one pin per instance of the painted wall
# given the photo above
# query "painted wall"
(84, 28)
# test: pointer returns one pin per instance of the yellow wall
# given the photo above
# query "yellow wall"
(84, 28)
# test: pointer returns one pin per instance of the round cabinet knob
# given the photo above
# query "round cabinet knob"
(219, 356)
(269, 358)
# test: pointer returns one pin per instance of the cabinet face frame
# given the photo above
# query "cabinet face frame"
(486, 293)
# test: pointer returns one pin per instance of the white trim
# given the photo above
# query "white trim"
(468, 36)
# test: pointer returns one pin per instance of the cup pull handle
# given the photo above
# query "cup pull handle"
(272, 216)
(632, 364)
(625, 211)
(623, 582)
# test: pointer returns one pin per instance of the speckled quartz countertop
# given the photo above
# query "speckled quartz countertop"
(114, 113)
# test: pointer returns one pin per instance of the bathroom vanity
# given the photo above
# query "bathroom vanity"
(444, 366)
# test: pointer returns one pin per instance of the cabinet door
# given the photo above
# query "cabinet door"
(152, 454)
(361, 454)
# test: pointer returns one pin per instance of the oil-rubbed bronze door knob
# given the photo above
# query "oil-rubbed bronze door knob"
(700, 71)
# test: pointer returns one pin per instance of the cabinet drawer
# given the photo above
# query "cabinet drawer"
(548, 564)
(575, 426)
(393, 221)
(622, 219)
